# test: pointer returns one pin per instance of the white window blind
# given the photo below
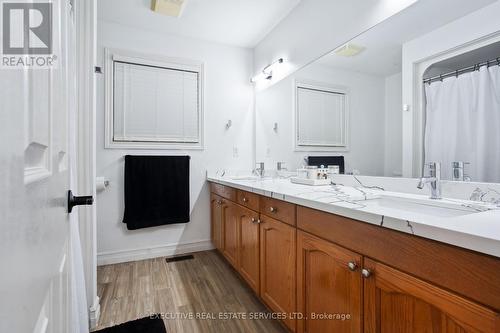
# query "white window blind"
(155, 104)
(321, 118)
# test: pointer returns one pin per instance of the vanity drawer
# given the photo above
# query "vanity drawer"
(248, 199)
(226, 192)
(278, 209)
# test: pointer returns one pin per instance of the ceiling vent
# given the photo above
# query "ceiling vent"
(349, 50)
(168, 7)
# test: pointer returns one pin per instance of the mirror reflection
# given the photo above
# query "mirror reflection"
(346, 108)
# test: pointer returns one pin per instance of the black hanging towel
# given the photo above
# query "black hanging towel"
(326, 161)
(156, 191)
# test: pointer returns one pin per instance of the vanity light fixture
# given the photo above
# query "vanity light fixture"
(267, 72)
(349, 50)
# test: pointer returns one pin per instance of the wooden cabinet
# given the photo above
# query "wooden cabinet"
(247, 199)
(278, 209)
(473, 275)
(225, 192)
(217, 208)
(329, 286)
(277, 267)
(248, 246)
(230, 222)
(324, 267)
(398, 302)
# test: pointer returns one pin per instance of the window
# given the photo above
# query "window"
(153, 103)
(321, 118)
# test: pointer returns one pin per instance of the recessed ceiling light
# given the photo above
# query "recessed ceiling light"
(168, 7)
(349, 50)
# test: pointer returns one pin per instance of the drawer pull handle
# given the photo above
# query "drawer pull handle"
(245, 200)
(254, 220)
(366, 273)
(352, 266)
(273, 209)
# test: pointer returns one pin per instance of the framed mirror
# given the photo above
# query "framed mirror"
(382, 110)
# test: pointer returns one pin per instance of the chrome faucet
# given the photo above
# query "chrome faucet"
(434, 180)
(458, 172)
(281, 166)
(259, 169)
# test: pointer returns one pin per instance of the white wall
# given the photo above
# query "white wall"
(228, 95)
(315, 27)
(445, 40)
(367, 100)
(393, 129)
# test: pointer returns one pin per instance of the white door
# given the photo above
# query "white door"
(37, 168)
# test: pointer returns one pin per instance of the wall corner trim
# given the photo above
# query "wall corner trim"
(115, 257)
(94, 313)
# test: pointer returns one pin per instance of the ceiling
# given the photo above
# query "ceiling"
(234, 22)
(383, 53)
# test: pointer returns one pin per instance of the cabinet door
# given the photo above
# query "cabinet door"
(230, 232)
(249, 247)
(216, 204)
(397, 302)
(277, 267)
(329, 286)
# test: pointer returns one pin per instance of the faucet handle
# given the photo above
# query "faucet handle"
(281, 166)
(259, 169)
(435, 169)
(459, 164)
(433, 165)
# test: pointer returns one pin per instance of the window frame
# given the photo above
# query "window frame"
(336, 89)
(112, 55)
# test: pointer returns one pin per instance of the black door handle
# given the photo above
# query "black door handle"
(78, 201)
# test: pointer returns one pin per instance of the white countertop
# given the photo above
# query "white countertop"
(478, 231)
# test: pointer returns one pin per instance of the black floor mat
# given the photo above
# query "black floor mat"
(153, 324)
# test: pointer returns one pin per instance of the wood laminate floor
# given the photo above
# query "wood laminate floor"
(204, 286)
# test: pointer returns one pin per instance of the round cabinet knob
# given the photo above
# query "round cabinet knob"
(245, 199)
(259, 221)
(253, 220)
(366, 273)
(219, 202)
(273, 209)
(352, 266)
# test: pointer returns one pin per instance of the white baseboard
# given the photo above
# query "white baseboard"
(114, 257)
(94, 313)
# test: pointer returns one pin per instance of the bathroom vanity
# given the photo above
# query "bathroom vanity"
(338, 268)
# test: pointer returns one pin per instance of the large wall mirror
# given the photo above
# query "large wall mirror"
(348, 104)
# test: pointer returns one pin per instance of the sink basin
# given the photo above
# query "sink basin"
(244, 178)
(255, 178)
(432, 208)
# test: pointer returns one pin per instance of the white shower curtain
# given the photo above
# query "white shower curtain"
(463, 123)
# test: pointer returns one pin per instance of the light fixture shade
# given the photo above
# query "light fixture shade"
(267, 72)
(168, 7)
(349, 50)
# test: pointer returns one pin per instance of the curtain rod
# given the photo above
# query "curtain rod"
(458, 72)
